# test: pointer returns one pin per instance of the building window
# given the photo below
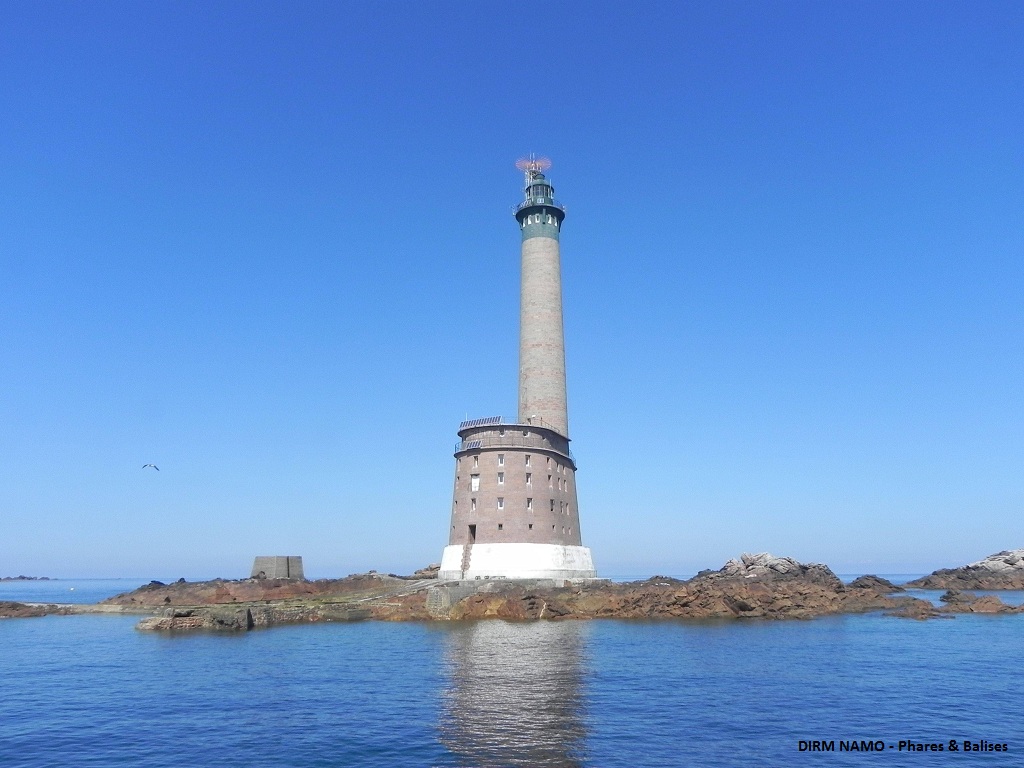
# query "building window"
(529, 504)
(474, 483)
(501, 503)
(530, 527)
(501, 432)
(476, 462)
(500, 526)
(527, 457)
(552, 505)
(529, 478)
(549, 481)
(501, 478)
(549, 462)
(458, 463)
(472, 505)
(501, 459)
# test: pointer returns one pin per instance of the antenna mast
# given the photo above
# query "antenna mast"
(532, 167)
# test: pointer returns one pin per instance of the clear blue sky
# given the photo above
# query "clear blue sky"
(268, 247)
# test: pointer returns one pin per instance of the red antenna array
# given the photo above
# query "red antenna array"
(533, 164)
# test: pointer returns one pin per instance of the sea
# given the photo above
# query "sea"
(89, 690)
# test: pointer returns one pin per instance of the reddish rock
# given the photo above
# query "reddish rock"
(965, 602)
(219, 591)
(750, 587)
(12, 610)
(9, 610)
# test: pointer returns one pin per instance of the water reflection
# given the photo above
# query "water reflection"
(514, 694)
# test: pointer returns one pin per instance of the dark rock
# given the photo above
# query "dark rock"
(220, 591)
(430, 572)
(876, 583)
(12, 610)
(917, 609)
(236, 621)
(965, 602)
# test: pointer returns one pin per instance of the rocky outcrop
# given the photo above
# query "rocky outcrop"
(876, 583)
(11, 610)
(752, 586)
(759, 586)
(917, 609)
(965, 602)
(1003, 570)
(221, 605)
(429, 572)
(219, 591)
(242, 619)
(767, 565)
(955, 602)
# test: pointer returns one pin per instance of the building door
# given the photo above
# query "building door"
(472, 534)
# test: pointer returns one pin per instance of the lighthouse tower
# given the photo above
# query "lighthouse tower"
(514, 511)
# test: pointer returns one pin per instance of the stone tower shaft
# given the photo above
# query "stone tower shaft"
(542, 391)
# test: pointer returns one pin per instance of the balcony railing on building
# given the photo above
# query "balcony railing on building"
(510, 440)
(549, 201)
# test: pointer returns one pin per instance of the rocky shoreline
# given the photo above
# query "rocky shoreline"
(12, 610)
(1003, 570)
(749, 587)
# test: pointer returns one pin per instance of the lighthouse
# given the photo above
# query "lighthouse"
(514, 511)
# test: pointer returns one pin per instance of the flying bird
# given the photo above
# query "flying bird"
(154, 466)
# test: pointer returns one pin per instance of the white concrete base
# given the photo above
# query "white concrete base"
(518, 561)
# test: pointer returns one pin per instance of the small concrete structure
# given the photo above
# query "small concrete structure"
(277, 567)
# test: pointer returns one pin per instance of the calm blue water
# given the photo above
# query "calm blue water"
(91, 691)
(66, 590)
